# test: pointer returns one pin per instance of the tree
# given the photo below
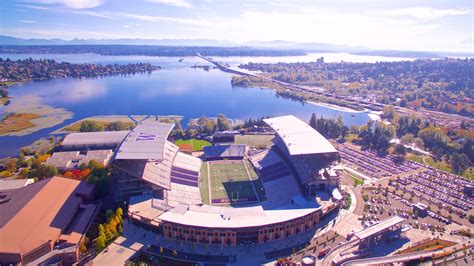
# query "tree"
(119, 212)
(109, 214)
(92, 179)
(115, 126)
(90, 126)
(222, 123)
(459, 162)
(93, 165)
(178, 130)
(206, 125)
(389, 112)
(44, 171)
(313, 121)
(100, 242)
(400, 150)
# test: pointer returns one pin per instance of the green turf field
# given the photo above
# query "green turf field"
(230, 182)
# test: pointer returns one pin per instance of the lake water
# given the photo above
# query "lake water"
(177, 89)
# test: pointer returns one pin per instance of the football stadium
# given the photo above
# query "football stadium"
(229, 194)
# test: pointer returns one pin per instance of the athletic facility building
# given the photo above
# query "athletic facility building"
(230, 195)
(44, 223)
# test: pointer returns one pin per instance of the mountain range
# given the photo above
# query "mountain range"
(274, 45)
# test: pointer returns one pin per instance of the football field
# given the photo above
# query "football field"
(230, 182)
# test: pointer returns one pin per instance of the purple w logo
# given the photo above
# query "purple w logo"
(146, 137)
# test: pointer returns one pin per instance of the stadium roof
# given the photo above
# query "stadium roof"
(228, 217)
(39, 213)
(145, 141)
(94, 138)
(299, 137)
(377, 228)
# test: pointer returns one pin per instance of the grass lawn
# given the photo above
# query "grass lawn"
(357, 180)
(17, 122)
(77, 126)
(257, 183)
(197, 144)
(254, 141)
(441, 165)
(230, 182)
(204, 184)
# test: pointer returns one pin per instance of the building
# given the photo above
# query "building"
(421, 209)
(224, 136)
(9, 186)
(93, 140)
(308, 153)
(68, 160)
(45, 222)
(231, 151)
(173, 206)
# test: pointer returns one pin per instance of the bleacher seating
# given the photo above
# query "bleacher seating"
(276, 177)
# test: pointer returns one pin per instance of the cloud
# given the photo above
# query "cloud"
(27, 21)
(148, 18)
(176, 3)
(92, 13)
(33, 7)
(72, 4)
(425, 13)
(67, 34)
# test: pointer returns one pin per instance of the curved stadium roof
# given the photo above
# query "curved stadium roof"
(145, 142)
(299, 137)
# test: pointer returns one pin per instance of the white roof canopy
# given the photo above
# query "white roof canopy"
(299, 137)
(145, 141)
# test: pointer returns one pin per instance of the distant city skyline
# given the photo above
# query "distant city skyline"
(401, 25)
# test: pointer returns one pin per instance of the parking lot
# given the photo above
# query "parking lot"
(373, 165)
(381, 203)
(441, 191)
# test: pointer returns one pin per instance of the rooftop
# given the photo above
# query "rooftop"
(94, 138)
(299, 137)
(145, 141)
(229, 217)
(39, 213)
(377, 228)
(14, 183)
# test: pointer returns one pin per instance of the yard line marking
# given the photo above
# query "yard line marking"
(251, 181)
(209, 182)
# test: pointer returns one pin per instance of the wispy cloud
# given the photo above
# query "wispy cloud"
(425, 13)
(93, 13)
(67, 34)
(176, 3)
(33, 6)
(72, 4)
(148, 18)
(27, 21)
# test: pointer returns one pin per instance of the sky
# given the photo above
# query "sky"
(432, 25)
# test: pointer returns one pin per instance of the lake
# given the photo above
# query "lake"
(177, 89)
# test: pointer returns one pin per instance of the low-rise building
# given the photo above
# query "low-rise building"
(45, 222)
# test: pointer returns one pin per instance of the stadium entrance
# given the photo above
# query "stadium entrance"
(247, 237)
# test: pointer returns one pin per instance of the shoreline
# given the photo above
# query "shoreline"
(373, 115)
(49, 116)
(335, 107)
(114, 118)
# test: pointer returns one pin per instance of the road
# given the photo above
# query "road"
(438, 117)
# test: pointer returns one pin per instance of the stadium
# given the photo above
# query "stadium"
(229, 194)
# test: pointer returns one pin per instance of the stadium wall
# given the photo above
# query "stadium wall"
(244, 235)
